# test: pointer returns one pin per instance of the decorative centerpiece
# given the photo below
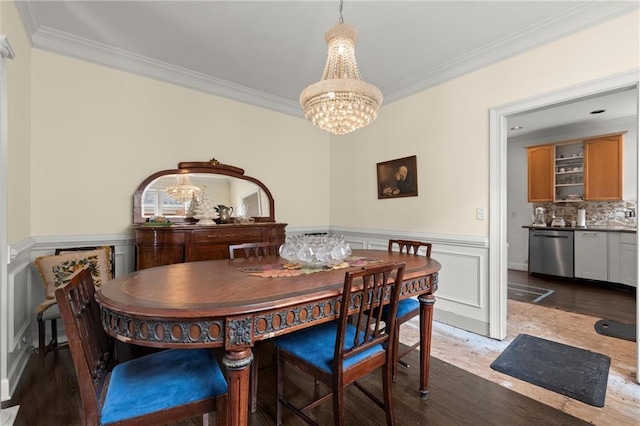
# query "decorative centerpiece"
(315, 250)
(205, 212)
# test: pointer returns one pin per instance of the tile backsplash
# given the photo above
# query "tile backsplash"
(614, 213)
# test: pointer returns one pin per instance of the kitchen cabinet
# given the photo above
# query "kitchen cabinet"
(623, 263)
(540, 173)
(606, 255)
(603, 168)
(591, 255)
(576, 171)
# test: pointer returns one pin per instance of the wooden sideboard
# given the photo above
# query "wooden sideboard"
(166, 245)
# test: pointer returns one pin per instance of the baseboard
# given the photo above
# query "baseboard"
(518, 266)
(463, 322)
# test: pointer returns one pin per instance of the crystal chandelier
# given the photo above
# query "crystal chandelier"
(182, 190)
(341, 101)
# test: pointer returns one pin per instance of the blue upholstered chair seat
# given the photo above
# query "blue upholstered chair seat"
(404, 307)
(316, 345)
(161, 380)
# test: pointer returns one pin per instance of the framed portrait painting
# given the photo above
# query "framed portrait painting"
(398, 178)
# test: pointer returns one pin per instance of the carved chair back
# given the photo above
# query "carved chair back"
(91, 347)
(249, 250)
(408, 246)
(378, 284)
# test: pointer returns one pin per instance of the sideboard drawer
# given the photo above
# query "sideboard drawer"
(158, 236)
(244, 235)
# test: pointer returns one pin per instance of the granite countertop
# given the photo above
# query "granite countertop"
(603, 228)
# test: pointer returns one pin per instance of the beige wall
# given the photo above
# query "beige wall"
(18, 123)
(97, 133)
(447, 127)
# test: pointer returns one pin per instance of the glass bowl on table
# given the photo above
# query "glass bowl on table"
(315, 250)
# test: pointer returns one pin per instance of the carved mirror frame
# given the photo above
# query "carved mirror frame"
(213, 167)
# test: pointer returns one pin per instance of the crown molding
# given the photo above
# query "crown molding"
(574, 20)
(29, 15)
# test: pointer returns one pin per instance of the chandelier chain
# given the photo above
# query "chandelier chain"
(341, 18)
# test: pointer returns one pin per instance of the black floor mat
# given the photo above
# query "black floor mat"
(577, 373)
(616, 329)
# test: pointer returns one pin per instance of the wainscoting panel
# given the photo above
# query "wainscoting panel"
(19, 293)
(19, 316)
(459, 280)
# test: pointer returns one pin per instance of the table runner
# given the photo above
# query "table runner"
(294, 269)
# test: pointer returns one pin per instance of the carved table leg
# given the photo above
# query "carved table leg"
(237, 364)
(426, 325)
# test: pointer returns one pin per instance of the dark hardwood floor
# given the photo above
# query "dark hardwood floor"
(50, 397)
(594, 298)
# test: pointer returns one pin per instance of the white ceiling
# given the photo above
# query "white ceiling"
(265, 52)
(609, 106)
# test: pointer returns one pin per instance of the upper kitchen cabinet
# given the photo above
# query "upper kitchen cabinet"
(603, 168)
(540, 173)
(574, 171)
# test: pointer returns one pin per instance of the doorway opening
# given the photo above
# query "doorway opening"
(498, 255)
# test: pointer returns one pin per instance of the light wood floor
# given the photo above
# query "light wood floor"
(475, 353)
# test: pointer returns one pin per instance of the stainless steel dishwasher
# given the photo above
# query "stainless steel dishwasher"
(551, 252)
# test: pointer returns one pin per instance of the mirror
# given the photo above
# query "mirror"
(224, 185)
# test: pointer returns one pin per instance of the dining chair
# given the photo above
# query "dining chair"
(407, 308)
(339, 352)
(163, 387)
(247, 251)
(55, 270)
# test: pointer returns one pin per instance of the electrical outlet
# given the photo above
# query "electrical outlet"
(480, 215)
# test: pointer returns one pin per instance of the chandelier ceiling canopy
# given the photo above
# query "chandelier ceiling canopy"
(341, 101)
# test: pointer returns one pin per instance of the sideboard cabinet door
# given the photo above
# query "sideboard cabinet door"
(157, 246)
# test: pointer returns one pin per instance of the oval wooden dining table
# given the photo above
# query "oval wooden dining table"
(220, 303)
